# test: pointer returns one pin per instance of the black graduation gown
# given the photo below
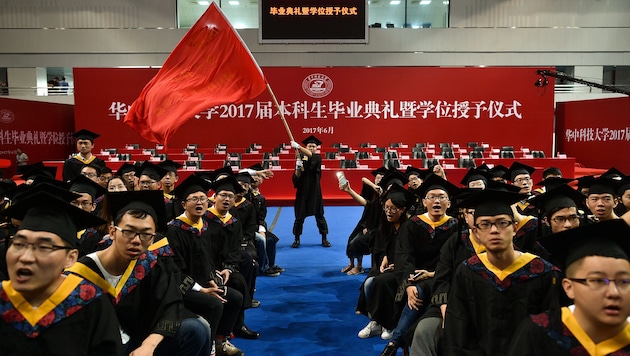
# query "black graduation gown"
(419, 244)
(83, 323)
(245, 213)
(483, 311)
(197, 253)
(547, 334)
(380, 307)
(308, 195)
(148, 299)
(89, 240)
(370, 219)
(72, 166)
(233, 230)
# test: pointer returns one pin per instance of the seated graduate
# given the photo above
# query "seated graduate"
(44, 311)
(602, 198)
(491, 293)
(265, 240)
(143, 281)
(198, 247)
(378, 291)
(168, 181)
(417, 254)
(559, 208)
(226, 190)
(595, 258)
(519, 175)
(360, 239)
(88, 191)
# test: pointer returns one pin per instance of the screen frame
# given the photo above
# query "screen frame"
(266, 40)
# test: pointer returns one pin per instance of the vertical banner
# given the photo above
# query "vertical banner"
(595, 132)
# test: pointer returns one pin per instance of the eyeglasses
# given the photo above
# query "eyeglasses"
(146, 182)
(563, 219)
(81, 204)
(196, 200)
(90, 175)
(130, 234)
(38, 248)
(439, 197)
(227, 196)
(523, 180)
(129, 175)
(487, 225)
(391, 209)
(598, 284)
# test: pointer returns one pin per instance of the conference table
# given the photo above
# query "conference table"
(279, 190)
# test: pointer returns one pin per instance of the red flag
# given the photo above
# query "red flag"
(210, 66)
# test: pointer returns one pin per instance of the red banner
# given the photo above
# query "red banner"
(42, 130)
(596, 132)
(499, 106)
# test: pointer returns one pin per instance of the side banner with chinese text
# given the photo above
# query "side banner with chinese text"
(351, 105)
(596, 132)
(42, 130)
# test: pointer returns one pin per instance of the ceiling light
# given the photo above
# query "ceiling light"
(394, 2)
(203, 3)
(234, 3)
(425, 2)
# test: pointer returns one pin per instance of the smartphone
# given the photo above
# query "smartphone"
(417, 275)
(387, 269)
(219, 280)
(342, 178)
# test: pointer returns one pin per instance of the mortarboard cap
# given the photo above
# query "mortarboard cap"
(42, 209)
(380, 170)
(394, 177)
(82, 184)
(152, 171)
(219, 173)
(257, 167)
(607, 238)
(170, 166)
(311, 139)
(244, 177)
(559, 197)
(84, 134)
(517, 168)
(149, 201)
(420, 173)
(623, 186)
(400, 195)
(474, 174)
(228, 183)
(603, 185)
(553, 182)
(126, 168)
(613, 173)
(491, 202)
(498, 170)
(192, 184)
(484, 167)
(6, 185)
(38, 169)
(584, 181)
(105, 169)
(437, 182)
(496, 185)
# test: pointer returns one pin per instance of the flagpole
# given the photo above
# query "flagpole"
(284, 121)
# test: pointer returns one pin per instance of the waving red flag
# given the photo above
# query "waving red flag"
(210, 66)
